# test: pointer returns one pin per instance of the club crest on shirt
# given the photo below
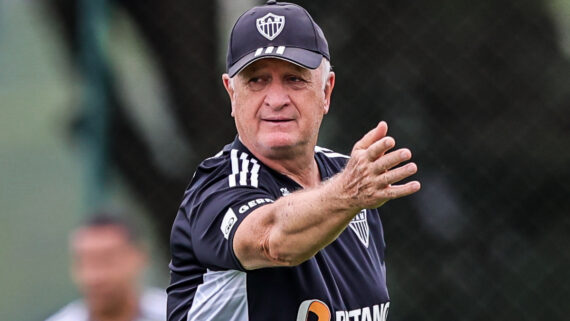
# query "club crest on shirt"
(359, 225)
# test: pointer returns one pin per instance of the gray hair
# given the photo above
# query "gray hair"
(326, 71)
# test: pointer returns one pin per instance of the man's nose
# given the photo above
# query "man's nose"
(277, 96)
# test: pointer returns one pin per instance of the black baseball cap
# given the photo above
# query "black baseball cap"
(278, 30)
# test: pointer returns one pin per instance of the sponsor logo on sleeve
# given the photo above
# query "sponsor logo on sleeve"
(253, 203)
(228, 223)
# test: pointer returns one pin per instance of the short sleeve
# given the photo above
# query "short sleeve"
(214, 217)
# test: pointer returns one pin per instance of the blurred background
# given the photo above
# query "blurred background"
(113, 103)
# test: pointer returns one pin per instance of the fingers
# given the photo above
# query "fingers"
(372, 136)
(397, 174)
(397, 191)
(392, 159)
(372, 171)
(380, 147)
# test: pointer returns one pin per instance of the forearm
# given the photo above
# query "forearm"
(296, 226)
(308, 221)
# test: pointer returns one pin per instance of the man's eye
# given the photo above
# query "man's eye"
(295, 79)
(256, 83)
(258, 80)
(297, 82)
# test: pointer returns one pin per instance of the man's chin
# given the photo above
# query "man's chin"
(281, 147)
(280, 142)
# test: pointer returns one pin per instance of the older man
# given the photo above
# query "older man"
(262, 231)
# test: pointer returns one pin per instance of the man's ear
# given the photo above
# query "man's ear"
(329, 85)
(229, 89)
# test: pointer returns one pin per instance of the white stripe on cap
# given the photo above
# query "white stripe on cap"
(280, 50)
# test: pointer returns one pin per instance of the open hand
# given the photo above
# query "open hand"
(371, 171)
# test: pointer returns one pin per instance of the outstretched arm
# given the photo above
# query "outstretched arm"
(295, 227)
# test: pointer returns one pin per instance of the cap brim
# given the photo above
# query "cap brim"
(302, 57)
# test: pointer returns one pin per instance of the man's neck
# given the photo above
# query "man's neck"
(302, 168)
(126, 310)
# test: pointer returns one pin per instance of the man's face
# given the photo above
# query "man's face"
(278, 106)
(105, 266)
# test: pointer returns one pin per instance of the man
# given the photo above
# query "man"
(108, 260)
(262, 231)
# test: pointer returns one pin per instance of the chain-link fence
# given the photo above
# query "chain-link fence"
(479, 90)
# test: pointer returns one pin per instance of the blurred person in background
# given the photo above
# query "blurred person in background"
(107, 264)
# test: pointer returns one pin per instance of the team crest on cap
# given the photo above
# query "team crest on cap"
(359, 225)
(270, 25)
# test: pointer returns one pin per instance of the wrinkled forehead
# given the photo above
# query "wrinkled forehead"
(273, 64)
